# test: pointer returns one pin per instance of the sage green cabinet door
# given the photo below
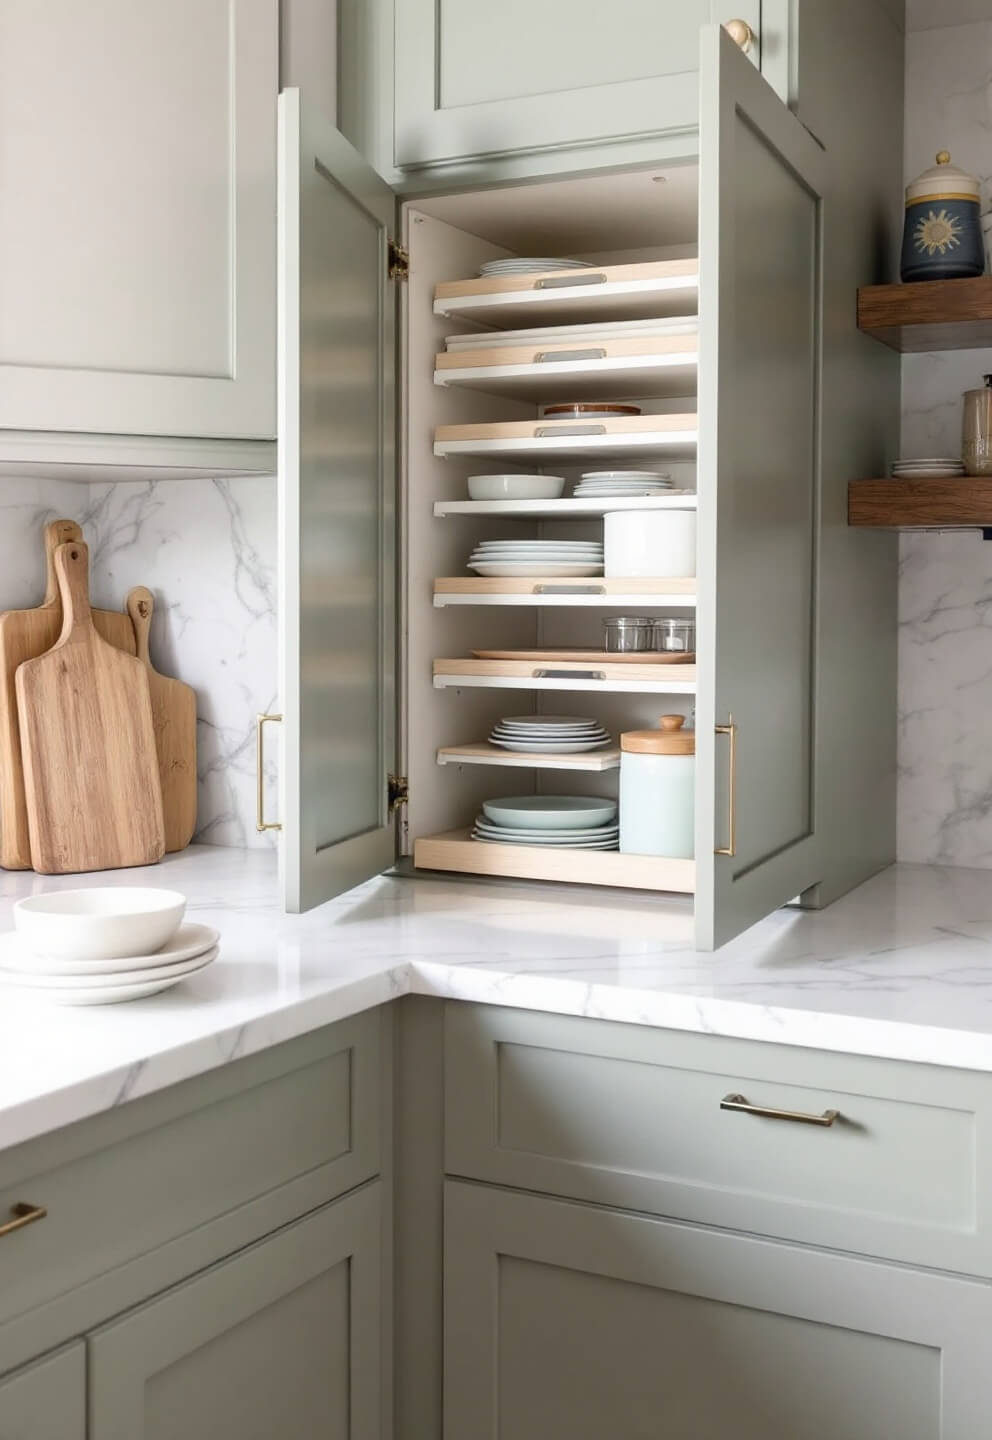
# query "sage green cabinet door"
(281, 1340)
(567, 1320)
(474, 79)
(761, 197)
(46, 1400)
(137, 249)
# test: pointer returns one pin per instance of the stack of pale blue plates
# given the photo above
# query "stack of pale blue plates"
(548, 734)
(561, 822)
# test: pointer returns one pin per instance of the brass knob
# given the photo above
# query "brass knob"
(741, 33)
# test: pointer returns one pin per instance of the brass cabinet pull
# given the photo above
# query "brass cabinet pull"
(260, 821)
(801, 1117)
(730, 729)
(741, 33)
(24, 1214)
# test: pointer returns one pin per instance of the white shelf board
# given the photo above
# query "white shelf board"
(654, 298)
(617, 379)
(485, 754)
(669, 685)
(457, 851)
(667, 444)
(566, 509)
(632, 603)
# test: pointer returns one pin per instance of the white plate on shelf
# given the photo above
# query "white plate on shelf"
(42, 980)
(504, 570)
(487, 839)
(548, 722)
(577, 832)
(549, 812)
(189, 941)
(560, 747)
(108, 994)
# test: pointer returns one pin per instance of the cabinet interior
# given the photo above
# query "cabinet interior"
(611, 219)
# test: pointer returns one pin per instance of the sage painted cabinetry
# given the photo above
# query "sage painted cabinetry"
(46, 1400)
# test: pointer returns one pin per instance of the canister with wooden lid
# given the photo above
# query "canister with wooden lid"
(658, 790)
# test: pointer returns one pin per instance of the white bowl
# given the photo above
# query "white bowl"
(515, 487)
(99, 924)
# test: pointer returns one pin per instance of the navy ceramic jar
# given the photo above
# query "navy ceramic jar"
(942, 237)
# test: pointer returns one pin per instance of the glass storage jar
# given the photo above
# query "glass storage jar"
(628, 632)
(674, 636)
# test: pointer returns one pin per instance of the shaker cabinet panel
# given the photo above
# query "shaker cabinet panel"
(561, 1319)
(283, 1339)
(46, 1400)
(137, 181)
(473, 79)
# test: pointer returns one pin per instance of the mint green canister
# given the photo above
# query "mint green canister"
(658, 790)
(942, 235)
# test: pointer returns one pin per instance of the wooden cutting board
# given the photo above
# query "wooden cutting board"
(612, 657)
(94, 801)
(174, 718)
(24, 635)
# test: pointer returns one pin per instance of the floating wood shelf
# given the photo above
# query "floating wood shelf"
(484, 754)
(456, 851)
(930, 315)
(964, 503)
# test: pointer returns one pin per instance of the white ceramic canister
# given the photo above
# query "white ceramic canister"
(658, 790)
(642, 542)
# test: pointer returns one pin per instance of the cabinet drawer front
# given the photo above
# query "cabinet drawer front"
(628, 1116)
(311, 1109)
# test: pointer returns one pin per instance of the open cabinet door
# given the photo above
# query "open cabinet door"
(760, 320)
(337, 482)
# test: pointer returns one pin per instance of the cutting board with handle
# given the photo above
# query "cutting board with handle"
(91, 783)
(174, 718)
(24, 635)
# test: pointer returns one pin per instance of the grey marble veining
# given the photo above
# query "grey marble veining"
(901, 968)
(945, 585)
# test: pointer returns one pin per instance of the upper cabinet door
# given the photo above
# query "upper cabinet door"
(475, 79)
(137, 185)
(760, 316)
(337, 492)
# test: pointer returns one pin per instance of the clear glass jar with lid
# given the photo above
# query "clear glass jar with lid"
(675, 636)
(628, 633)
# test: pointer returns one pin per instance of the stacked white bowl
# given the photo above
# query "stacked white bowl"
(103, 945)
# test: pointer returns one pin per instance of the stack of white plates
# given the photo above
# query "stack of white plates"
(611, 484)
(939, 467)
(521, 558)
(548, 734)
(87, 947)
(530, 265)
(561, 822)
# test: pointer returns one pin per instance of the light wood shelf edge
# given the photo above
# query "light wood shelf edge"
(455, 851)
(483, 754)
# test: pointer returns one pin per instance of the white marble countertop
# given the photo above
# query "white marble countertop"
(900, 968)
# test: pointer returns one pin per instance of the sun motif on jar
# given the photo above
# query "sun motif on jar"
(937, 231)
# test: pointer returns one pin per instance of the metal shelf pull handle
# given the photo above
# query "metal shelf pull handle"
(768, 1112)
(261, 824)
(22, 1214)
(565, 282)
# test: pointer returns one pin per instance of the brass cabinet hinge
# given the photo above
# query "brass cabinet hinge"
(399, 262)
(398, 791)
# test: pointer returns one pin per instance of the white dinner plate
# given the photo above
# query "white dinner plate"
(504, 570)
(113, 994)
(583, 832)
(559, 722)
(561, 747)
(46, 980)
(549, 812)
(612, 475)
(555, 845)
(189, 941)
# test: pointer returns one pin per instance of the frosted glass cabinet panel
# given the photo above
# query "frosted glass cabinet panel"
(473, 78)
(137, 251)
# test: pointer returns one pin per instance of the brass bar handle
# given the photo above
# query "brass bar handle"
(768, 1112)
(261, 824)
(730, 729)
(23, 1214)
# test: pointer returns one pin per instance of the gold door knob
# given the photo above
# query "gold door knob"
(741, 32)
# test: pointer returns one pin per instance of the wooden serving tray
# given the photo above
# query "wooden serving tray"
(611, 657)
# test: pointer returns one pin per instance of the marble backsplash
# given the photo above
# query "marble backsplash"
(207, 550)
(945, 586)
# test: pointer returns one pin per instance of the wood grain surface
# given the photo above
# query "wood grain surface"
(94, 801)
(24, 635)
(929, 315)
(174, 718)
(613, 274)
(962, 502)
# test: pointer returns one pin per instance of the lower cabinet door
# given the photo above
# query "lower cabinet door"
(46, 1400)
(281, 1340)
(562, 1319)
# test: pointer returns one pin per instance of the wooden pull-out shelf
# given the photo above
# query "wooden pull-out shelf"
(483, 754)
(647, 291)
(960, 503)
(538, 590)
(929, 315)
(456, 851)
(606, 677)
(617, 435)
(605, 370)
(568, 509)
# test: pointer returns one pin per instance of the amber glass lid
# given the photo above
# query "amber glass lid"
(669, 739)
